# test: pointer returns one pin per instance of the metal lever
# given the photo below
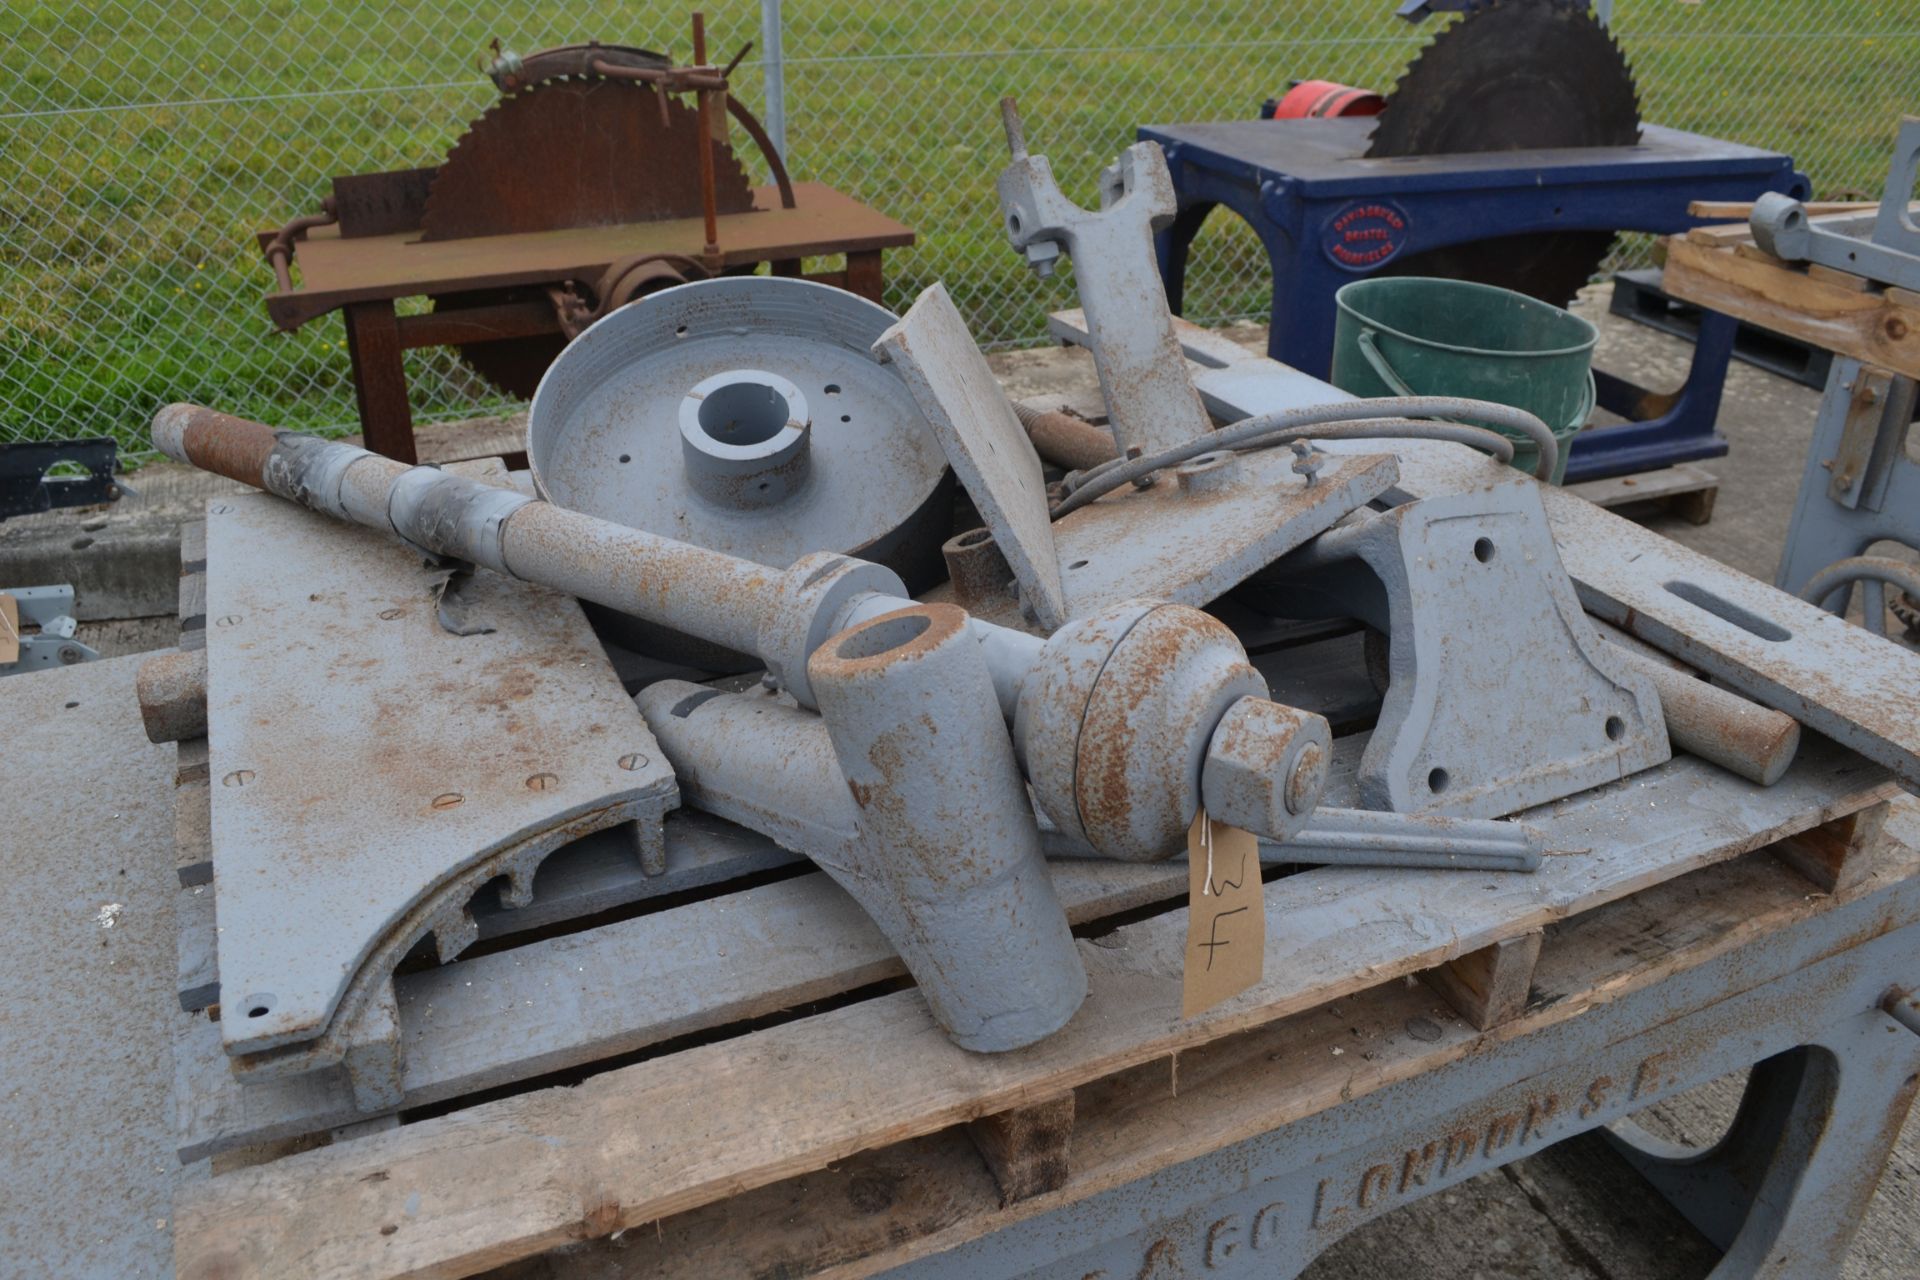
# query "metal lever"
(1150, 400)
(1369, 838)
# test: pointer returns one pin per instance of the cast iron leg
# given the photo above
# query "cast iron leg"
(379, 379)
(863, 275)
(1682, 431)
(1783, 1192)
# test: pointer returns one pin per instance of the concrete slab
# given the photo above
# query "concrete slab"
(87, 1010)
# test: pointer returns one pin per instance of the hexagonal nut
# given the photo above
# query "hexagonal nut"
(1265, 767)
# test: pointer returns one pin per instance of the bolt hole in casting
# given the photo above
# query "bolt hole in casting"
(1438, 780)
(1483, 550)
(1616, 728)
(259, 1005)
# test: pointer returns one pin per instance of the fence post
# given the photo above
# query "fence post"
(773, 69)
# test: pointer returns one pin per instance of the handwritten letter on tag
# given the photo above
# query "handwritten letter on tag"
(1226, 915)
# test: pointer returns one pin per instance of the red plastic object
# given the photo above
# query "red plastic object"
(1322, 99)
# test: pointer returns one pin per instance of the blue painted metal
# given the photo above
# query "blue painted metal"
(1781, 1194)
(1328, 215)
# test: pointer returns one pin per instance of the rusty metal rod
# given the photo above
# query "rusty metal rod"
(1065, 440)
(672, 79)
(709, 201)
(709, 594)
(719, 597)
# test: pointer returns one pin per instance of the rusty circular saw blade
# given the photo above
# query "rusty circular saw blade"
(578, 152)
(1514, 75)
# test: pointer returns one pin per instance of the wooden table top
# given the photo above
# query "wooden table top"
(335, 271)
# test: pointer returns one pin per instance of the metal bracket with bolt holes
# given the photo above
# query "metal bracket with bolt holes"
(50, 610)
(1501, 695)
(1883, 245)
(371, 771)
(1150, 401)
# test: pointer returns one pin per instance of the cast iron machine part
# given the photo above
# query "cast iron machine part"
(1124, 724)
(742, 414)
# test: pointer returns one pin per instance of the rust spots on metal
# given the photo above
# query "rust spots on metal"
(903, 635)
(226, 445)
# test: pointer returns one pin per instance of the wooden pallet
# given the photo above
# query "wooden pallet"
(887, 1207)
(1683, 490)
(617, 1070)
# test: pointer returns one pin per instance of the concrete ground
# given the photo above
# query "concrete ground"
(1573, 1211)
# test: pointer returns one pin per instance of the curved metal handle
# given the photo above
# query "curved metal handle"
(1874, 574)
(1379, 365)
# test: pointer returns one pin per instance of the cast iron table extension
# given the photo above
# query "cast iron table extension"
(362, 277)
(1328, 215)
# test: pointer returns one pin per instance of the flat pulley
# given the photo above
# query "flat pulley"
(745, 414)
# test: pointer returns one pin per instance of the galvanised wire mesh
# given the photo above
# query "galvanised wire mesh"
(146, 142)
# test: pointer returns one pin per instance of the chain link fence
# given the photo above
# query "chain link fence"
(146, 143)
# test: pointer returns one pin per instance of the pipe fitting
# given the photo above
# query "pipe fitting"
(947, 857)
(810, 602)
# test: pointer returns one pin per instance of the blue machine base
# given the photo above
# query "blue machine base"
(1327, 216)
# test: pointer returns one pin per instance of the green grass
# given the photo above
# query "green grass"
(145, 142)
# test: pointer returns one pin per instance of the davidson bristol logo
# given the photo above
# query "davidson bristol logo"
(1366, 234)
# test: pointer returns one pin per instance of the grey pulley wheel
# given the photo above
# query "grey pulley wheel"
(746, 414)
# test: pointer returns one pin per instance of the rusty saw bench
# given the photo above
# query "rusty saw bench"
(363, 276)
(734, 1066)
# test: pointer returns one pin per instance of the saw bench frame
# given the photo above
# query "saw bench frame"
(1327, 216)
(363, 277)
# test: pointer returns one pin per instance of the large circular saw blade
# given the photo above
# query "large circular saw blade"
(1514, 75)
(576, 152)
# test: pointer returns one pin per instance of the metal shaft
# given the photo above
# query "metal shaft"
(716, 596)
(1366, 838)
(709, 594)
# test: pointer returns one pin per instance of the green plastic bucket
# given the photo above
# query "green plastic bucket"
(1416, 336)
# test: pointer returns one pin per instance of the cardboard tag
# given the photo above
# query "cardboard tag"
(9, 629)
(1226, 915)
